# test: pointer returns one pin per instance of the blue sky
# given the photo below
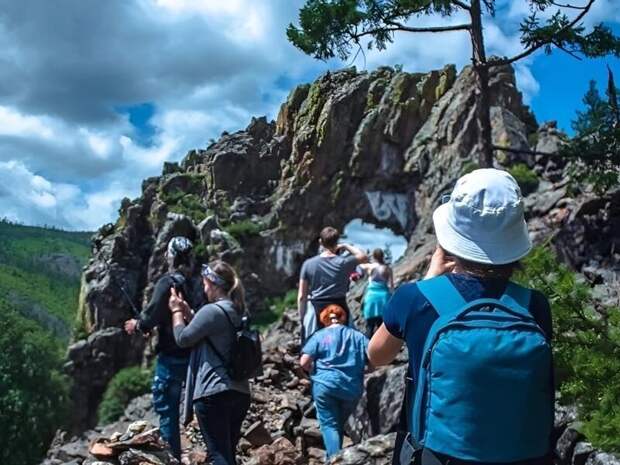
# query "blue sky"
(563, 81)
(95, 96)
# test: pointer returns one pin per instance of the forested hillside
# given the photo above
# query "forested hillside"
(39, 274)
(39, 286)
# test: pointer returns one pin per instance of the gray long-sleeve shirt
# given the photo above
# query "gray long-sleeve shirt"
(207, 374)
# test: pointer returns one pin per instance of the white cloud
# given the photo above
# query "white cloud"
(13, 123)
(206, 66)
(526, 82)
(30, 198)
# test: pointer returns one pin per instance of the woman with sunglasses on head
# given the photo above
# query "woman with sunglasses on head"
(220, 402)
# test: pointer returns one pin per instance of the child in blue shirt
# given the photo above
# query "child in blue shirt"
(338, 353)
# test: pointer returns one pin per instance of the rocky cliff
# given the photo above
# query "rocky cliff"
(381, 146)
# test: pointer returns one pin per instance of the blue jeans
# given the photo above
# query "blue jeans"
(167, 387)
(332, 413)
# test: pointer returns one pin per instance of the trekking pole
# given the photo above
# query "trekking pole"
(134, 309)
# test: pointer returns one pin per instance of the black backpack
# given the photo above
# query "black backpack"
(246, 358)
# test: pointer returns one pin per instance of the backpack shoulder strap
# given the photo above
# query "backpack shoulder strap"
(442, 295)
(517, 298)
(230, 322)
(208, 341)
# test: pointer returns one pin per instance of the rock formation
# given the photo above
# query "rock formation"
(381, 146)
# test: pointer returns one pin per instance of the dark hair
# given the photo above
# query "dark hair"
(183, 262)
(379, 256)
(484, 270)
(329, 237)
(233, 286)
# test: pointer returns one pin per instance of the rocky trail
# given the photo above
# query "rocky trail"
(281, 426)
(382, 147)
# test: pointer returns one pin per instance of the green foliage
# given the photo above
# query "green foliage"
(244, 229)
(126, 385)
(33, 393)
(594, 152)
(201, 253)
(28, 288)
(468, 167)
(330, 28)
(562, 32)
(23, 246)
(586, 346)
(526, 178)
(189, 205)
(38, 302)
(276, 308)
(28, 279)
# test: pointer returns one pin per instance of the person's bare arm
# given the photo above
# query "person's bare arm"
(306, 362)
(383, 347)
(302, 298)
(178, 307)
(358, 253)
(367, 267)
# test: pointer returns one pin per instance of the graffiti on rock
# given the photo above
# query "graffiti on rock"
(287, 256)
(387, 206)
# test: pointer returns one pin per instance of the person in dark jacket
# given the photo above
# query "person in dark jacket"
(171, 366)
(220, 402)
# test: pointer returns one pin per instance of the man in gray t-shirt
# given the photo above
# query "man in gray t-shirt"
(328, 277)
(324, 279)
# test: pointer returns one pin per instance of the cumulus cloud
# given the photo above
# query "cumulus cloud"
(72, 68)
(27, 197)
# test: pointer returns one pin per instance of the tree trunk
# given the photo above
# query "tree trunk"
(483, 105)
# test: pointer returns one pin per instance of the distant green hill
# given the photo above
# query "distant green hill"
(39, 285)
(40, 274)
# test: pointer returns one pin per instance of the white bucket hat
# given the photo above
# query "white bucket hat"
(483, 221)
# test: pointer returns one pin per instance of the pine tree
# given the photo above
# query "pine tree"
(330, 28)
(594, 151)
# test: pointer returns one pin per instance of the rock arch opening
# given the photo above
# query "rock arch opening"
(369, 237)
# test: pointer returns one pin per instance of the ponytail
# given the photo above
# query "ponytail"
(237, 293)
(232, 284)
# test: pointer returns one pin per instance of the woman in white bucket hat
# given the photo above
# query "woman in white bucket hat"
(483, 221)
(462, 406)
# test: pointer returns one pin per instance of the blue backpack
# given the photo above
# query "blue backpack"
(484, 390)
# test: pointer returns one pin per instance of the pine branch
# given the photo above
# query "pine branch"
(402, 27)
(461, 4)
(532, 49)
(574, 7)
(565, 50)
